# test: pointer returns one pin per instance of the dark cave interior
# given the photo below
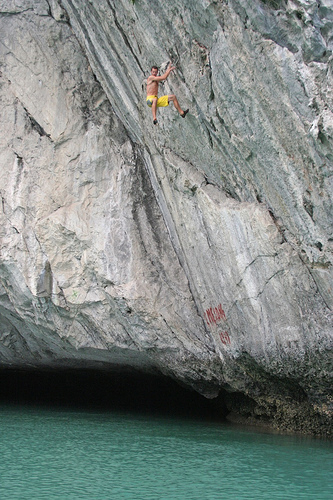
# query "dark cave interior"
(106, 391)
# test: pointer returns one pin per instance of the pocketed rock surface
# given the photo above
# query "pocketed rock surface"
(200, 248)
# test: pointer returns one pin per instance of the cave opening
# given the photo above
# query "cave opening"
(107, 391)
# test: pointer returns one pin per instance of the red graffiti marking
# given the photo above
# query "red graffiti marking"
(225, 339)
(213, 315)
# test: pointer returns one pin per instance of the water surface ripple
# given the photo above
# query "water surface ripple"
(64, 454)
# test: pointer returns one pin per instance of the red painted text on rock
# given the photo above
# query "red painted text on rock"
(214, 314)
(225, 339)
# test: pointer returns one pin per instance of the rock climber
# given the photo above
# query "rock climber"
(155, 102)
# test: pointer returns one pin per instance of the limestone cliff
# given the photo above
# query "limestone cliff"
(199, 248)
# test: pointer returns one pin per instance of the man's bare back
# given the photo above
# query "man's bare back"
(152, 93)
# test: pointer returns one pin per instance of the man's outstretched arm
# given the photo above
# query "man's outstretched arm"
(164, 76)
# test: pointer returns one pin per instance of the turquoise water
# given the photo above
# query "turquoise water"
(65, 454)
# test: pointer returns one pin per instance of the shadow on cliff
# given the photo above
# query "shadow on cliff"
(105, 391)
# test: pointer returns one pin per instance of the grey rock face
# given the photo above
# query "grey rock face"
(200, 248)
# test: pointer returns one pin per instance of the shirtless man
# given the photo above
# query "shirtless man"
(155, 102)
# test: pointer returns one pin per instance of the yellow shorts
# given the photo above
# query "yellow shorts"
(162, 102)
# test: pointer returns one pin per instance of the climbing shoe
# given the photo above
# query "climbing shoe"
(155, 122)
(185, 113)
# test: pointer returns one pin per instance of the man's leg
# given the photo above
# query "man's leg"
(154, 109)
(174, 99)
